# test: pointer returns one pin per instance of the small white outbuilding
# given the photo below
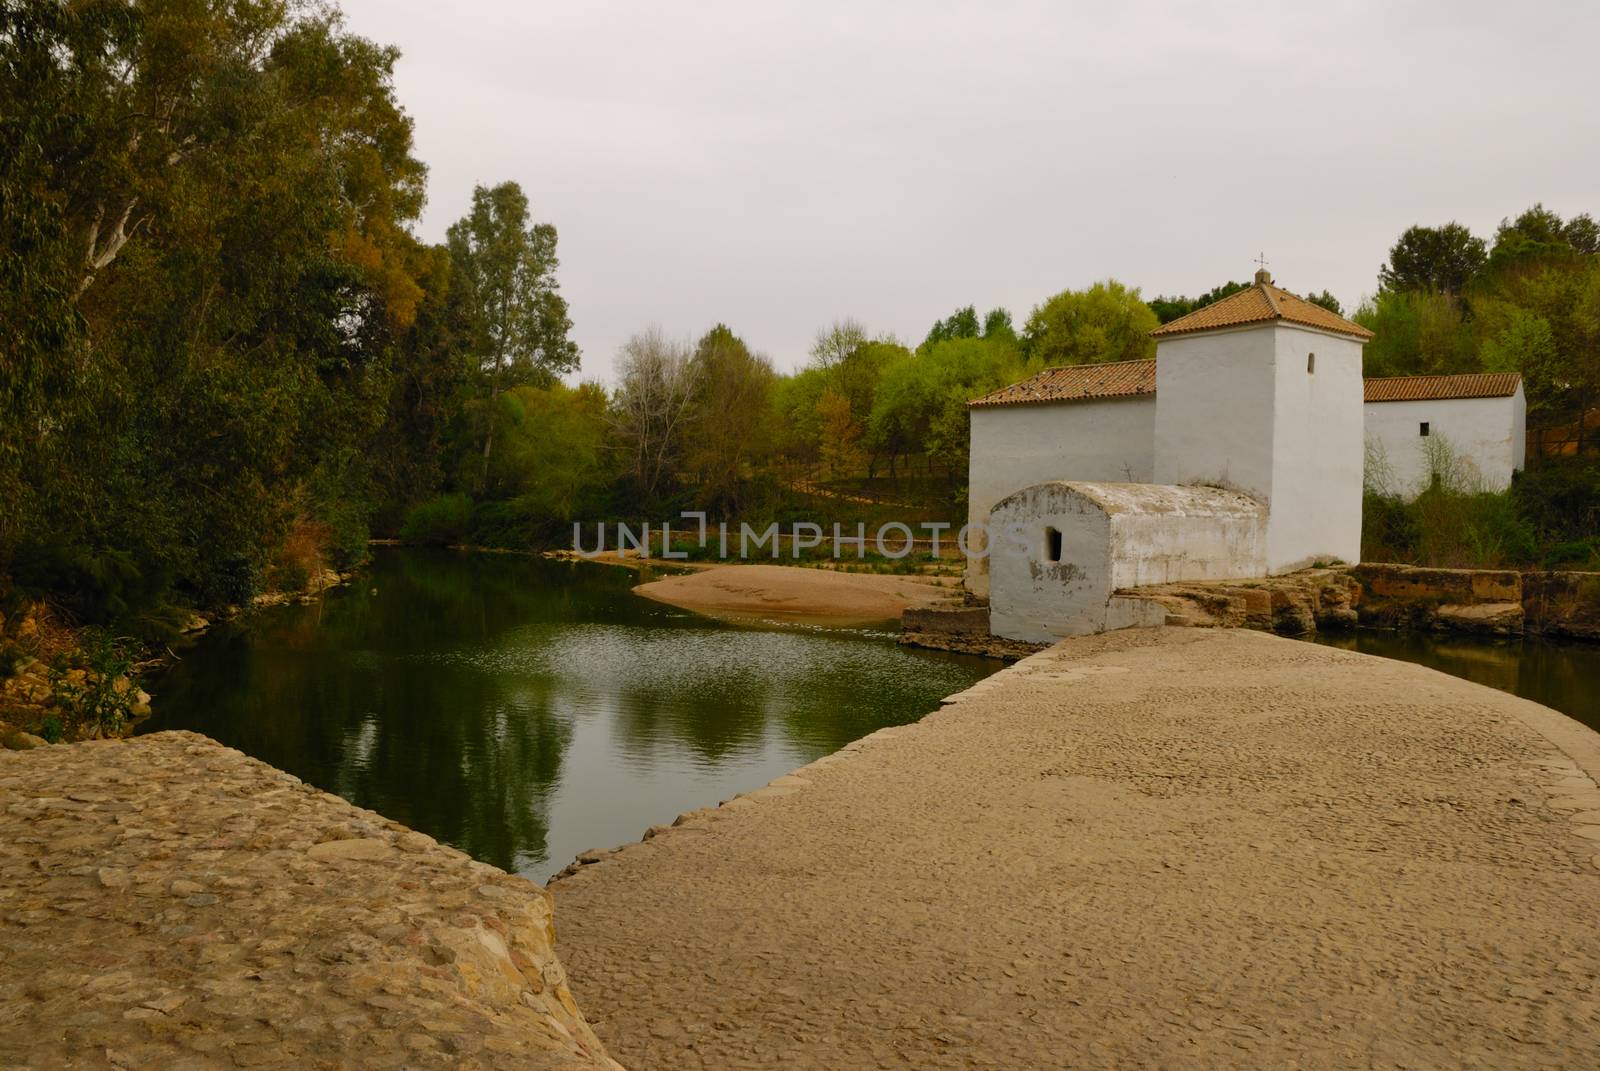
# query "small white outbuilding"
(1062, 550)
(1468, 431)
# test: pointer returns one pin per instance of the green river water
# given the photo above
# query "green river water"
(524, 710)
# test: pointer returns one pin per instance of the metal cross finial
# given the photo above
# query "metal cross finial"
(1261, 261)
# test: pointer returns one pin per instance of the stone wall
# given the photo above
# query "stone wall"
(1379, 595)
(963, 629)
(168, 902)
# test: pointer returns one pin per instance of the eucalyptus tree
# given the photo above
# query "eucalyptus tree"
(507, 267)
(204, 212)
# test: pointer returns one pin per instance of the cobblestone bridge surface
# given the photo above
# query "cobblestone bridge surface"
(167, 902)
(1163, 848)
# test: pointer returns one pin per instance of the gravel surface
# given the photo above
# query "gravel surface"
(1162, 848)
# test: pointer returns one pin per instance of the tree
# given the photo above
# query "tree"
(835, 343)
(921, 404)
(840, 445)
(1433, 259)
(1106, 322)
(963, 323)
(1168, 309)
(1327, 301)
(506, 268)
(852, 364)
(997, 326)
(204, 213)
(1416, 333)
(552, 443)
(729, 418)
(652, 406)
(1539, 226)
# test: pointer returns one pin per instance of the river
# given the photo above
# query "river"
(524, 710)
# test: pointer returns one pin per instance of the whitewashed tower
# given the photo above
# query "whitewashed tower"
(1261, 392)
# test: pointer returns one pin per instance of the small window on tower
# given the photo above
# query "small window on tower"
(1423, 431)
(1052, 545)
(1311, 364)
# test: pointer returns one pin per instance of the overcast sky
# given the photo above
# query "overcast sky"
(776, 166)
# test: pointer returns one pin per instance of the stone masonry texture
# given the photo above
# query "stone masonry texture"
(169, 903)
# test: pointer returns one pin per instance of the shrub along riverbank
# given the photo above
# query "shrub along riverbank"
(1548, 519)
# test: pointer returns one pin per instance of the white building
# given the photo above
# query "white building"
(1092, 478)
(1258, 394)
(1466, 430)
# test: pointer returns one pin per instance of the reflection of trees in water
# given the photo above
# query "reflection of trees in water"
(468, 758)
(712, 720)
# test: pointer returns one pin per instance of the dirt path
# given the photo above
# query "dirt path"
(792, 593)
(1164, 848)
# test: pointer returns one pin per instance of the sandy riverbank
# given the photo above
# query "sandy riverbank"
(1157, 848)
(788, 593)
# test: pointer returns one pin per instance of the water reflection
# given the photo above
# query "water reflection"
(524, 710)
(1564, 676)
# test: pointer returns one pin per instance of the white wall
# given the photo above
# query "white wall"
(1240, 409)
(1016, 446)
(1114, 535)
(1214, 405)
(1487, 435)
(1317, 451)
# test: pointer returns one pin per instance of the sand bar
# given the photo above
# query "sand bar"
(789, 593)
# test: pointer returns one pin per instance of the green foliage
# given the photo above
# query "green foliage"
(1327, 301)
(1416, 333)
(963, 323)
(1560, 499)
(101, 693)
(1444, 527)
(921, 404)
(997, 326)
(1540, 228)
(520, 523)
(95, 585)
(1168, 309)
(1433, 260)
(442, 521)
(1106, 322)
(729, 420)
(549, 447)
(210, 278)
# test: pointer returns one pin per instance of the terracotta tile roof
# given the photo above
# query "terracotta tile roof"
(1126, 379)
(1435, 388)
(1076, 382)
(1260, 303)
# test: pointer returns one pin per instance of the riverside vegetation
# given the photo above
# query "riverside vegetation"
(229, 360)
